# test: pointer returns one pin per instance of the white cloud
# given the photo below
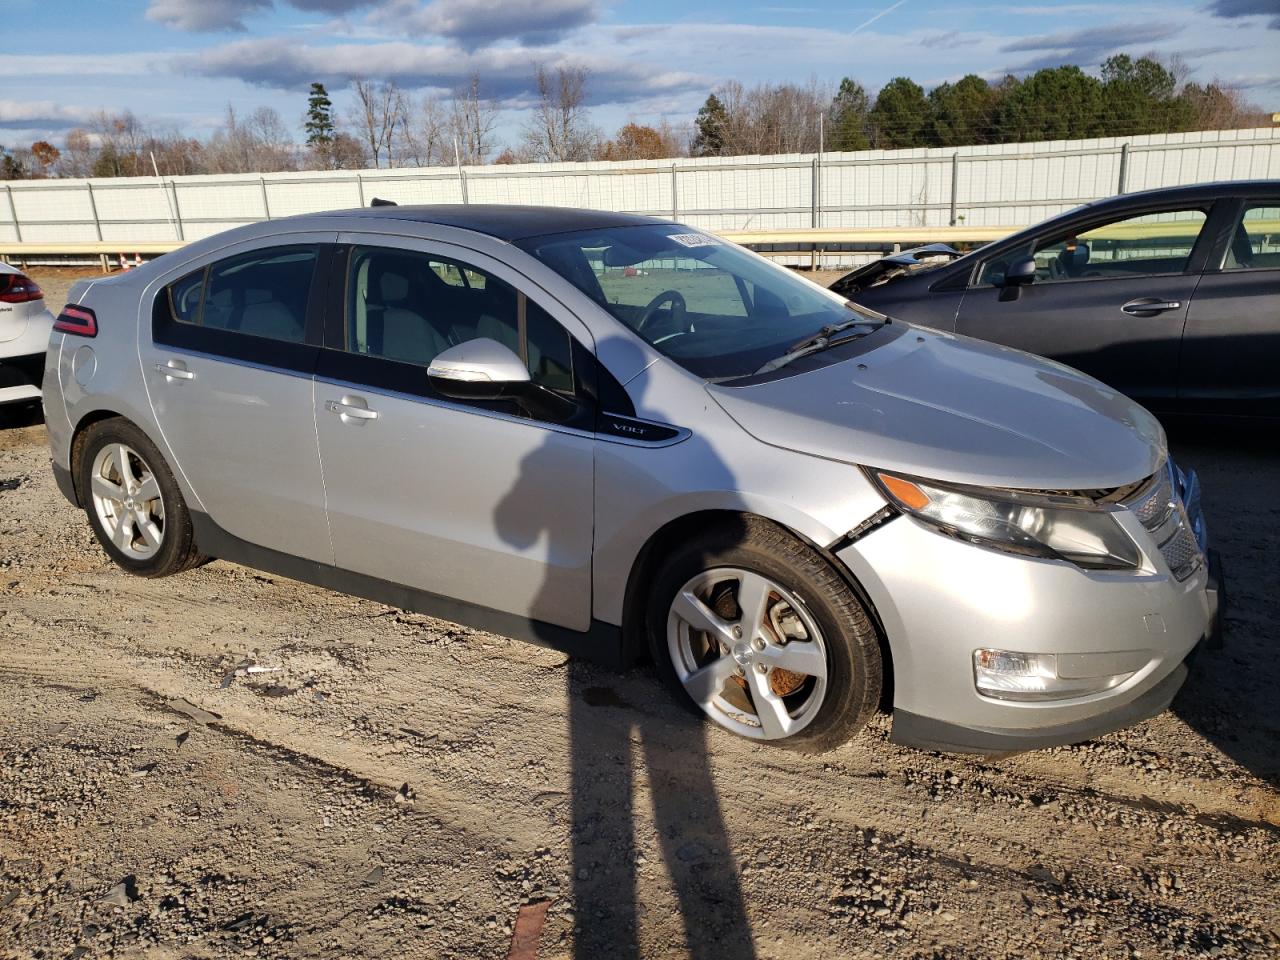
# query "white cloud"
(40, 114)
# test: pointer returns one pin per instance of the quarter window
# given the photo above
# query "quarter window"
(1157, 243)
(1255, 243)
(409, 307)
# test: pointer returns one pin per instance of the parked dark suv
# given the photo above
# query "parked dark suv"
(1172, 296)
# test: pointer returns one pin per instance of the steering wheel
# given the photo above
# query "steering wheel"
(673, 297)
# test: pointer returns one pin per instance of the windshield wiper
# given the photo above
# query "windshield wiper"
(818, 342)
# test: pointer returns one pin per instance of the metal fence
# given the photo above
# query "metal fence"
(997, 185)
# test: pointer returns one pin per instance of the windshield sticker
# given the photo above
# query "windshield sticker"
(694, 240)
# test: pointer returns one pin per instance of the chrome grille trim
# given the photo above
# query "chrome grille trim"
(1159, 508)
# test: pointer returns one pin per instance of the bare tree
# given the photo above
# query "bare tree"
(77, 154)
(379, 109)
(470, 127)
(258, 144)
(772, 118)
(560, 128)
(423, 132)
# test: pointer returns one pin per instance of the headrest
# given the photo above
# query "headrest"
(393, 286)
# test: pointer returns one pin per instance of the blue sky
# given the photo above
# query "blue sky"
(178, 63)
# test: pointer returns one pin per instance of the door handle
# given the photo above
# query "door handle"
(351, 410)
(1144, 306)
(175, 370)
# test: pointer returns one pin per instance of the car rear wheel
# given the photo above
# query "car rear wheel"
(133, 502)
(759, 633)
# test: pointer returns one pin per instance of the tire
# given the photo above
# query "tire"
(147, 536)
(811, 622)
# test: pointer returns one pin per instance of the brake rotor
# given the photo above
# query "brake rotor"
(785, 682)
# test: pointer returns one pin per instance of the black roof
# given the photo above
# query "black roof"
(504, 221)
(1193, 192)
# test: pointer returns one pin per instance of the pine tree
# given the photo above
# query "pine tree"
(319, 124)
(712, 123)
(901, 117)
(849, 111)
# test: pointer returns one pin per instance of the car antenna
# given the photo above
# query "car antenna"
(379, 202)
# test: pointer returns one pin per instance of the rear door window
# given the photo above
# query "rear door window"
(261, 294)
(254, 307)
(1255, 243)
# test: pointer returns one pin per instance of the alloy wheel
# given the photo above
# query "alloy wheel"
(748, 651)
(127, 500)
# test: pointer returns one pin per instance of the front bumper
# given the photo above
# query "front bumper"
(928, 733)
(940, 599)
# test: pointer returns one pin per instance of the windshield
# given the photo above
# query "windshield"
(713, 307)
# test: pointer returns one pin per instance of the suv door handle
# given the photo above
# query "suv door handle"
(1145, 306)
(352, 410)
(175, 370)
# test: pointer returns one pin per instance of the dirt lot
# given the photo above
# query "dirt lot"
(397, 786)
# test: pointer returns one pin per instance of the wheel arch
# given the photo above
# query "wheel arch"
(648, 561)
(80, 431)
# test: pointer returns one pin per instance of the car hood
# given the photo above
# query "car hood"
(898, 266)
(951, 408)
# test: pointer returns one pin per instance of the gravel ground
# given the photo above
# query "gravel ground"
(397, 786)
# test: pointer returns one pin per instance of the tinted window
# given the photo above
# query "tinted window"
(260, 294)
(409, 307)
(1131, 246)
(1256, 241)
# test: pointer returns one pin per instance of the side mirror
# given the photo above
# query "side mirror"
(1019, 274)
(480, 369)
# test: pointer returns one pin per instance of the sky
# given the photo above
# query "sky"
(179, 63)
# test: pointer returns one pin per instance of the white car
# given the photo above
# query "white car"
(25, 324)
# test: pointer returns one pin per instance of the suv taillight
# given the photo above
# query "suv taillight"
(18, 288)
(81, 321)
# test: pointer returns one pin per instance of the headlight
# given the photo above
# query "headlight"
(1032, 524)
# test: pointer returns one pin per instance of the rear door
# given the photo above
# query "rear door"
(1109, 298)
(1231, 348)
(228, 367)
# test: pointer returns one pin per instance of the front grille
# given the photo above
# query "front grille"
(1159, 509)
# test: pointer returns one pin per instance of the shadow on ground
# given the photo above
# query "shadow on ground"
(1230, 697)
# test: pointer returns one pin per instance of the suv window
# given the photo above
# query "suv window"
(261, 294)
(1154, 243)
(1256, 241)
(408, 307)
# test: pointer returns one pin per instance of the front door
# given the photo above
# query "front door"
(1110, 299)
(482, 503)
(228, 368)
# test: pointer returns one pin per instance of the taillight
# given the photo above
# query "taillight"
(81, 321)
(19, 288)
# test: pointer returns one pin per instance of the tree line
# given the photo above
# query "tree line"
(389, 126)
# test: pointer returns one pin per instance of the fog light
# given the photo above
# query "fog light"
(1008, 675)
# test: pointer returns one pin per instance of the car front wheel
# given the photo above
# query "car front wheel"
(758, 632)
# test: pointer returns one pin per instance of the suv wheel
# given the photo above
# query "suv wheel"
(133, 502)
(759, 633)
